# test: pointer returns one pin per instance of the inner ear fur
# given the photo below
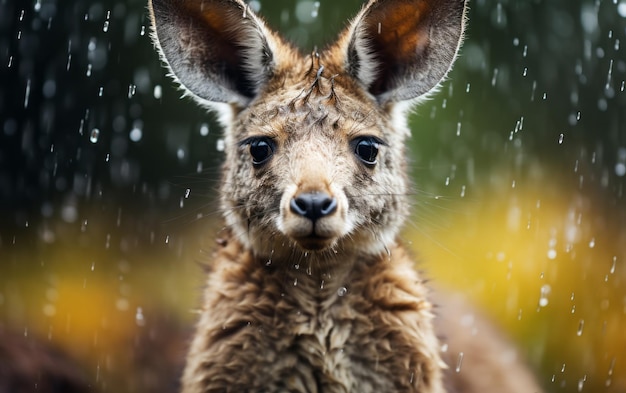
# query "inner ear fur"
(401, 49)
(218, 50)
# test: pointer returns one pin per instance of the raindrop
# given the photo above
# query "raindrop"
(136, 134)
(561, 137)
(204, 129)
(105, 27)
(581, 326)
(552, 254)
(592, 243)
(612, 271)
(157, 92)
(11, 63)
(543, 297)
(621, 9)
(27, 94)
(342, 291)
(220, 145)
(459, 362)
(295, 281)
(89, 67)
(139, 318)
(132, 89)
(143, 30)
(37, 6)
(458, 129)
(187, 192)
(95, 134)
(462, 191)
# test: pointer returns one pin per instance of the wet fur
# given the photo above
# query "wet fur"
(331, 305)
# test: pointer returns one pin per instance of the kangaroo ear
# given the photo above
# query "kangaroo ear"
(401, 49)
(218, 50)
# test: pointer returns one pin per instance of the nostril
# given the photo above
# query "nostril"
(328, 206)
(313, 205)
(300, 205)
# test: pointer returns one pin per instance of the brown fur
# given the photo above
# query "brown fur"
(310, 290)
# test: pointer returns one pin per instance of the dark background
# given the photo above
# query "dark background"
(108, 178)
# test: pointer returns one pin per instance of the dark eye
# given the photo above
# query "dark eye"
(367, 149)
(261, 150)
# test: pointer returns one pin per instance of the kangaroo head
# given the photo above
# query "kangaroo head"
(314, 144)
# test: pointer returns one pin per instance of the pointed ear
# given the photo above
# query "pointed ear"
(218, 50)
(401, 49)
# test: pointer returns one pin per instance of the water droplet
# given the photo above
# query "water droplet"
(105, 27)
(132, 89)
(543, 297)
(552, 254)
(561, 137)
(139, 318)
(27, 93)
(204, 129)
(143, 30)
(612, 271)
(342, 291)
(135, 134)
(157, 92)
(94, 136)
(89, 67)
(459, 362)
(220, 145)
(581, 326)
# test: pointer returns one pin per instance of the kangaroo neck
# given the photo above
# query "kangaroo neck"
(308, 276)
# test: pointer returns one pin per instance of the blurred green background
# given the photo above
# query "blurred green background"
(108, 183)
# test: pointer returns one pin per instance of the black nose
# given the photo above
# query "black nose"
(313, 205)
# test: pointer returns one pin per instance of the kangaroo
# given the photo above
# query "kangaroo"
(309, 289)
